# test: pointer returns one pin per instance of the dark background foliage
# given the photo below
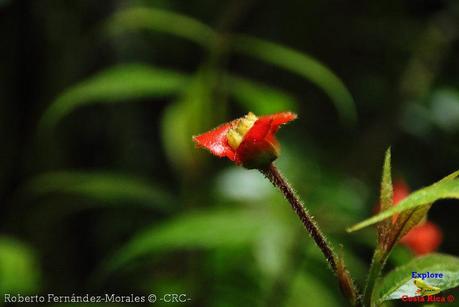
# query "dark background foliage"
(115, 171)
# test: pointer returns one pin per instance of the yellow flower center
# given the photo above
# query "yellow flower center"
(236, 134)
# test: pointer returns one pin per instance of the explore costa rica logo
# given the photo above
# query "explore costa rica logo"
(425, 291)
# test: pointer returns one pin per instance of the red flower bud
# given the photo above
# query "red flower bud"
(248, 141)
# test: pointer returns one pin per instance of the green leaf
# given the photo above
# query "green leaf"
(406, 221)
(386, 197)
(399, 282)
(198, 230)
(410, 218)
(302, 64)
(128, 81)
(175, 132)
(443, 189)
(19, 271)
(389, 233)
(386, 184)
(259, 98)
(103, 187)
(450, 177)
(161, 21)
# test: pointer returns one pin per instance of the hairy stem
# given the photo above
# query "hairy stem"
(336, 264)
(376, 267)
(272, 173)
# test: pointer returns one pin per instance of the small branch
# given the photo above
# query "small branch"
(336, 264)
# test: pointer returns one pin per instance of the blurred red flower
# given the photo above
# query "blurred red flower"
(248, 141)
(401, 190)
(423, 238)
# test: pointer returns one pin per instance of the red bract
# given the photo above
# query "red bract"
(248, 141)
(422, 239)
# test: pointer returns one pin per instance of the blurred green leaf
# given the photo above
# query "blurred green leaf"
(104, 187)
(445, 109)
(303, 65)
(176, 133)
(259, 98)
(162, 21)
(307, 290)
(276, 245)
(299, 63)
(441, 110)
(443, 189)
(19, 269)
(400, 282)
(237, 184)
(197, 230)
(187, 116)
(127, 81)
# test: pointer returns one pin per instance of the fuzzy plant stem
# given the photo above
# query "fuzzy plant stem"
(345, 281)
(377, 264)
(276, 178)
